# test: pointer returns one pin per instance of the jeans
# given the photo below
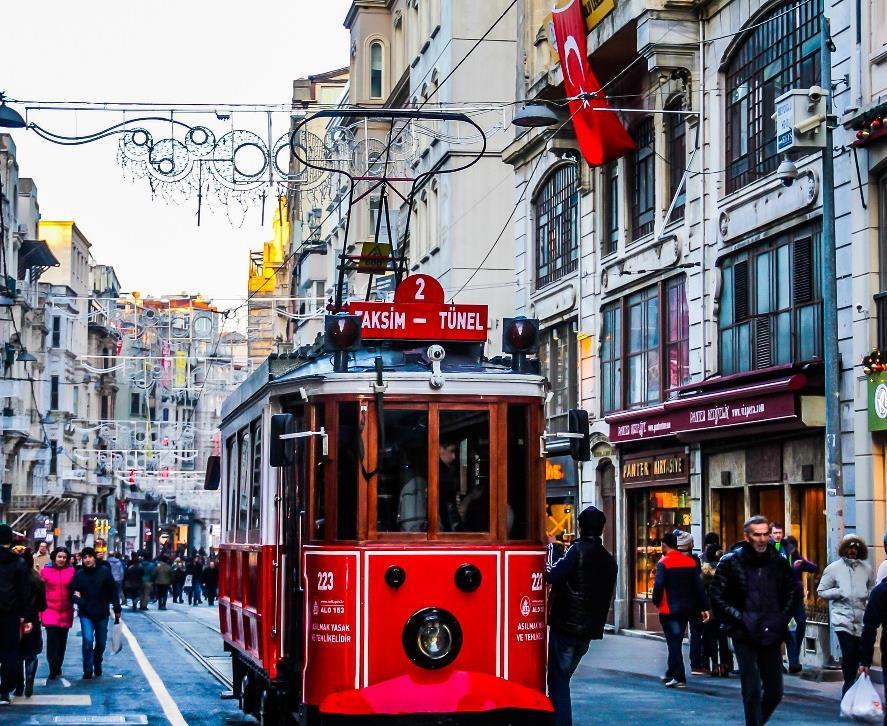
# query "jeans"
(795, 640)
(760, 671)
(194, 594)
(162, 594)
(717, 648)
(93, 632)
(9, 652)
(177, 589)
(56, 643)
(696, 650)
(564, 654)
(849, 657)
(674, 627)
(210, 594)
(144, 595)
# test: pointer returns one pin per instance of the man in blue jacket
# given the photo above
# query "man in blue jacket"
(582, 582)
(94, 591)
(679, 594)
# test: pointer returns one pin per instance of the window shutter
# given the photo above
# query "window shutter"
(740, 290)
(763, 357)
(802, 270)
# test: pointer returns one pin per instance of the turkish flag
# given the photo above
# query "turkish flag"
(601, 135)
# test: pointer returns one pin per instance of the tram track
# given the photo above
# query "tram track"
(215, 672)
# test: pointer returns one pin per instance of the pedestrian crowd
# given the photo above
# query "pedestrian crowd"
(744, 603)
(43, 588)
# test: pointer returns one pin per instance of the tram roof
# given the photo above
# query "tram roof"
(311, 363)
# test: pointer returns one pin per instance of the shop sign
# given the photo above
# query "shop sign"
(560, 471)
(721, 415)
(667, 467)
(595, 11)
(877, 397)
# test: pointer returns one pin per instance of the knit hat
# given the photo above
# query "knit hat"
(5, 535)
(684, 539)
(592, 521)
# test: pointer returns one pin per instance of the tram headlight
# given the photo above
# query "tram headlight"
(432, 638)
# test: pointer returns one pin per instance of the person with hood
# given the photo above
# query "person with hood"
(59, 614)
(93, 591)
(195, 569)
(679, 596)
(31, 644)
(796, 635)
(583, 579)
(846, 584)
(148, 567)
(754, 594)
(178, 580)
(13, 604)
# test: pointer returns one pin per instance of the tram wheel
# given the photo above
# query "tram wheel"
(246, 694)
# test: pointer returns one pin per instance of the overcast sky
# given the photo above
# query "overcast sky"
(178, 52)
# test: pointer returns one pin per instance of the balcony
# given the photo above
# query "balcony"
(16, 425)
(14, 389)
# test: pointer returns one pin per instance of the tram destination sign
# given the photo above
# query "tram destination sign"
(419, 312)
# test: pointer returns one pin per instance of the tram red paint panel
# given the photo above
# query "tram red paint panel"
(332, 586)
(525, 618)
(429, 583)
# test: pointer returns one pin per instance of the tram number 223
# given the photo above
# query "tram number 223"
(536, 580)
(324, 580)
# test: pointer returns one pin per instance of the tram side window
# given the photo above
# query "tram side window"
(518, 472)
(255, 506)
(348, 450)
(243, 485)
(231, 487)
(402, 477)
(464, 472)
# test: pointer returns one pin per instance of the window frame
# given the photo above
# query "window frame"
(555, 217)
(642, 168)
(618, 309)
(376, 43)
(676, 153)
(750, 131)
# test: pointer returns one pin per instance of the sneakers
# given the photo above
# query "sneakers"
(797, 668)
(666, 678)
(5, 699)
(699, 671)
(675, 683)
(87, 675)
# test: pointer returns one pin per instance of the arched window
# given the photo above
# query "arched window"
(557, 213)
(376, 69)
(780, 54)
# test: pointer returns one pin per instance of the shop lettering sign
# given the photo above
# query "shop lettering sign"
(671, 466)
(689, 418)
(877, 400)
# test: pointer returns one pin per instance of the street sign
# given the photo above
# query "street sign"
(40, 533)
(420, 313)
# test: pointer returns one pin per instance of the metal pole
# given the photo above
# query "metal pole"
(834, 484)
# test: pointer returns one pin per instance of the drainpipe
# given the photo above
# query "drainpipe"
(834, 484)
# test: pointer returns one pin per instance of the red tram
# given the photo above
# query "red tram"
(383, 521)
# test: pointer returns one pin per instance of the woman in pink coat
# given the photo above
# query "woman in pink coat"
(59, 614)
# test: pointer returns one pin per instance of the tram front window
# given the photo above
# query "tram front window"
(402, 489)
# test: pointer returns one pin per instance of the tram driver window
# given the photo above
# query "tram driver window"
(402, 477)
(464, 471)
(518, 472)
(348, 448)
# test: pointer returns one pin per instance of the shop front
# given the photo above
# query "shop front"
(657, 493)
(753, 445)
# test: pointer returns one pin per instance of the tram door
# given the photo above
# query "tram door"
(294, 480)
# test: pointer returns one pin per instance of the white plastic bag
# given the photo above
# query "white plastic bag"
(862, 702)
(117, 638)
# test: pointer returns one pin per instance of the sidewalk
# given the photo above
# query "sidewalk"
(645, 656)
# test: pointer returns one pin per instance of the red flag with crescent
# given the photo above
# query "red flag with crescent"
(601, 135)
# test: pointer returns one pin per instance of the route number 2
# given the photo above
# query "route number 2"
(324, 580)
(420, 288)
(536, 582)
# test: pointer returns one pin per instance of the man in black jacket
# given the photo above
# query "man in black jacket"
(875, 617)
(14, 592)
(94, 591)
(582, 582)
(754, 594)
